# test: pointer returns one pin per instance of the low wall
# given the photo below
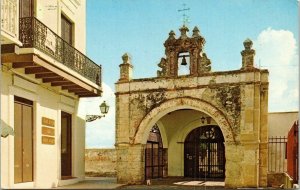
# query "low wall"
(280, 180)
(100, 162)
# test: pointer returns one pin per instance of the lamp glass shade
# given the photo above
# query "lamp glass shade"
(104, 108)
(202, 119)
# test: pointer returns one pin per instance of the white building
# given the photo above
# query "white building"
(44, 73)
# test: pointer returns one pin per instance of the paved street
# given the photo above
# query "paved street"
(165, 183)
(179, 183)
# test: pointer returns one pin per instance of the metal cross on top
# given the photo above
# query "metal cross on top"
(185, 18)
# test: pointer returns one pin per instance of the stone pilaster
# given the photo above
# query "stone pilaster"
(126, 68)
(248, 55)
(130, 163)
(263, 165)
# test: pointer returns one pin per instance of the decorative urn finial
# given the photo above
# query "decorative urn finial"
(171, 35)
(248, 55)
(196, 32)
(126, 58)
(126, 68)
(183, 31)
(248, 44)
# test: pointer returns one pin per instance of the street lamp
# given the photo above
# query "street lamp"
(103, 108)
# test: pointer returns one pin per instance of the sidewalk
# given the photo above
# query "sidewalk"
(94, 183)
(164, 183)
(178, 183)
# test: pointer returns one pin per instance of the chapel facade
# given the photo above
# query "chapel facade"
(202, 124)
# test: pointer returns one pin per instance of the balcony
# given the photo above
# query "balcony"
(69, 68)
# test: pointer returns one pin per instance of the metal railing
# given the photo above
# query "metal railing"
(9, 19)
(34, 34)
(277, 154)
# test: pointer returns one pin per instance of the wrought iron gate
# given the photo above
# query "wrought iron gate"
(204, 153)
(154, 155)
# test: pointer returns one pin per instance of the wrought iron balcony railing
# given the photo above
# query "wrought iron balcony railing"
(34, 34)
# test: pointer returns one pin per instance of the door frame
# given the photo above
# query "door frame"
(71, 146)
(29, 95)
(25, 102)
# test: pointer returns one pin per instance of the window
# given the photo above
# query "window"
(26, 8)
(66, 30)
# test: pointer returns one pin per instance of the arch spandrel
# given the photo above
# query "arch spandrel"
(183, 103)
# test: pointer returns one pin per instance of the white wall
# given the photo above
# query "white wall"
(49, 12)
(47, 103)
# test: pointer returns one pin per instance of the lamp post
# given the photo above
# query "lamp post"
(104, 110)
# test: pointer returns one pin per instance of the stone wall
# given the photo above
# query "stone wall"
(100, 162)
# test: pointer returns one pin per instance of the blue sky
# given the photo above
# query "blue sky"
(140, 28)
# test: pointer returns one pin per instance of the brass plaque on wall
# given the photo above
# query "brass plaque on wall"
(48, 131)
(48, 122)
(48, 140)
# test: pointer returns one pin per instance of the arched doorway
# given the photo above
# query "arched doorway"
(204, 153)
(154, 155)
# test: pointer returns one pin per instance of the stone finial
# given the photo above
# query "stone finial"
(183, 31)
(126, 68)
(126, 58)
(248, 55)
(171, 35)
(248, 44)
(196, 32)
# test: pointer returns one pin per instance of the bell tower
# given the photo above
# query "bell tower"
(184, 47)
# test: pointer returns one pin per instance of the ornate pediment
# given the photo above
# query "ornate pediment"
(193, 46)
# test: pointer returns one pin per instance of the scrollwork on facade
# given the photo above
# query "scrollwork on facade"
(148, 102)
(230, 99)
(204, 64)
(162, 64)
(227, 99)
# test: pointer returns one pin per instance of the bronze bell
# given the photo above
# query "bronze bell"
(183, 62)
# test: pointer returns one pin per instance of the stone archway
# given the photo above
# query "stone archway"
(186, 103)
(183, 103)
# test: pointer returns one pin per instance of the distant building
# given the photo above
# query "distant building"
(44, 73)
(281, 122)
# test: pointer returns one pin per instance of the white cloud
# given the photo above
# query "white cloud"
(276, 50)
(101, 132)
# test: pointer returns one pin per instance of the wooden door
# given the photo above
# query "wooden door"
(23, 140)
(66, 145)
